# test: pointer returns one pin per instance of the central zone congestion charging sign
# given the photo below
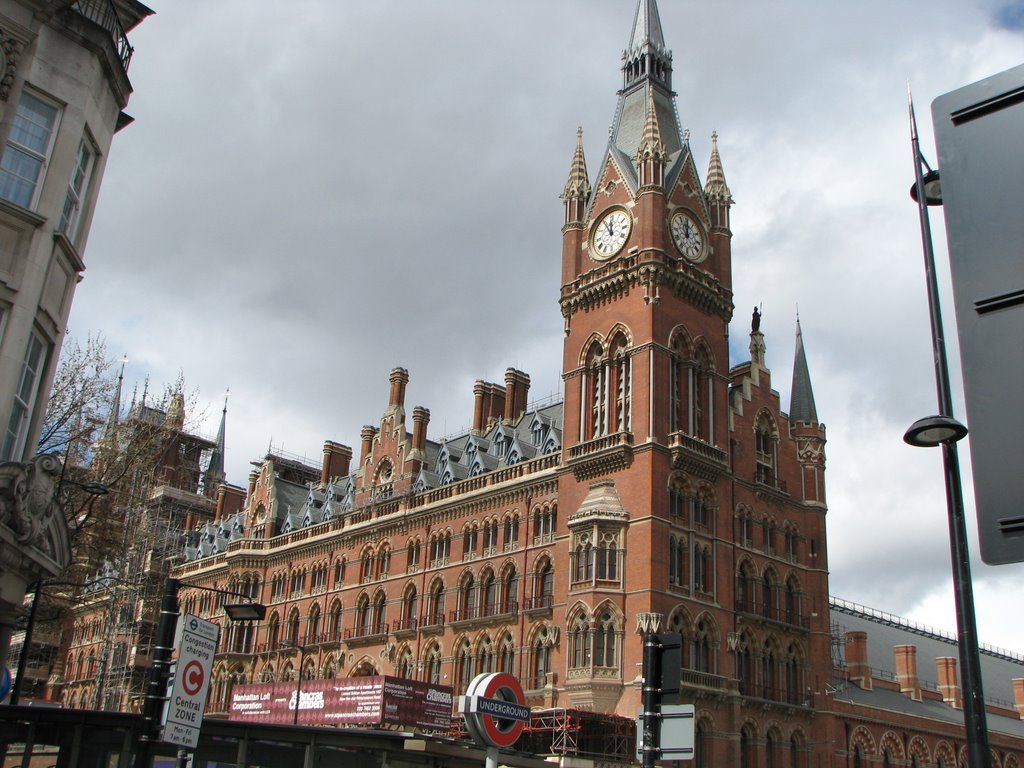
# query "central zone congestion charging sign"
(494, 709)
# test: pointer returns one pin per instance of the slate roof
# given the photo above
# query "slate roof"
(998, 668)
(801, 403)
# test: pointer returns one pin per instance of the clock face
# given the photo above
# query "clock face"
(688, 236)
(610, 233)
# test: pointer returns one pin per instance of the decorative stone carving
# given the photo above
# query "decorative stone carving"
(28, 506)
(648, 623)
(9, 50)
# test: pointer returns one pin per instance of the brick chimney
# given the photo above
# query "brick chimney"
(517, 388)
(233, 499)
(399, 378)
(488, 404)
(906, 671)
(420, 420)
(949, 684)
(218, 512)
(336, 461)
(1018, 695)
(253, 477)
(367, 434)
(857, 659)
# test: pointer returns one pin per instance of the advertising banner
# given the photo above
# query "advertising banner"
(363, 701)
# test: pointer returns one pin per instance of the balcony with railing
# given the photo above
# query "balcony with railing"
(366, 635)
(697, 456)
(104, 14)
(539, 604)
(598, 455)
(471, 615)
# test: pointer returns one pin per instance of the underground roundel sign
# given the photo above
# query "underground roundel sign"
(494, 709)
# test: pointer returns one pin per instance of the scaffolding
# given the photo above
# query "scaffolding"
(572, 733)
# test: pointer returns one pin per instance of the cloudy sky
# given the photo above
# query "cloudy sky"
(315, 192)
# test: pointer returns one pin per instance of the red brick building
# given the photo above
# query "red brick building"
(668, 492)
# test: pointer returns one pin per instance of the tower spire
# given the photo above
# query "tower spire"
(114, 417)
(801, 400)
(215, 471)
(716, 189)
(577, 187)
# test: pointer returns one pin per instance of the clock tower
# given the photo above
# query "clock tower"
(646, 299)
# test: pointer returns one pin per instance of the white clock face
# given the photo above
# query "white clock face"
(611, 233)
(688, 236)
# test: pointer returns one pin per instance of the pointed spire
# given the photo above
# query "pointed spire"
(646, 28)
(716, 188)
(801, 399)
(578, 185)
(651, 146)
(114, 417)
(216, 467)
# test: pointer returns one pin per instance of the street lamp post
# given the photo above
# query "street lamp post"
(156, 688)
(298, 680)
(944, 430)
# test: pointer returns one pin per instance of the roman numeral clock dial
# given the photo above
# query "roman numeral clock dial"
(688, 236)
(610, 233)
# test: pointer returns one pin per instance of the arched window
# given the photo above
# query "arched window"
(604, 641)
(583, 569)
(463, 666)
(543, 585)
(744, 668)
(858, 757)
(701, 758)
(273, 632)
(678, 570)
(595, 393)
(469, 540)
(745, 761)
(506, 655)
(768, 673)
(485, 657)
(792, 673)
(467, 598)
(765, 450)
(404, 668)
(770, 745)
(744, 586)
(768, 595)
(608, 557)
(579, 643)
(409, 601)
(702, 569)
(794, 751)
(488, 594)
(379, 608)
(679, 385)
(541, 662)
(509, 591)
(363, 616)
(435, 605)
(621, 382)
(313, 625)
(701, 415)
(335, 621)
(701, 656)
(412, 555)
(791, 607)
(292, 630)
(432, 666)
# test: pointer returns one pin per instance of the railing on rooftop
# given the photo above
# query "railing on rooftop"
(103, 13)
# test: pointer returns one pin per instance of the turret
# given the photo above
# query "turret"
(808, 432)
(576, 196)
(719, 199)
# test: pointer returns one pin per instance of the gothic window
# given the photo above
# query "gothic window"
(409, 602)
(335, 621)
(490, 536)
(858, 757)
(595, 394)
(543, 585)
(676, 502)
(292, 630)
(765, 450)
(383, 561)
(699, 513)
(543, 525)
(701, 415)
(621, 379)
(768, 672)
(608, 557)
(792, 606)
(363, 616)
(541, 662)
(679, 385)
(379, 608)
(678, 567)
(366, 561)
(488, 594)
(745, 761)
(604, 641)
(745, 587)
(432, 666)
(509, 591)
(273, 632)
(768, 595)
(506, 655)
(702, 569)
(791, 545)
(485, 657)
(700, 747)
(404, 668)
(511, 531)
(313, 625)
(744, 667)
(792, 674)
(583, 562)
(467, 598)
(770, 745)
(339, 573)
(579, 642)
(412, 551)
(463, 667)
(469, 542)
(794, 751)
(435, 605)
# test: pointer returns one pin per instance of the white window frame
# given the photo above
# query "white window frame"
(25, 397)
(43, 158)
(78, 188)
